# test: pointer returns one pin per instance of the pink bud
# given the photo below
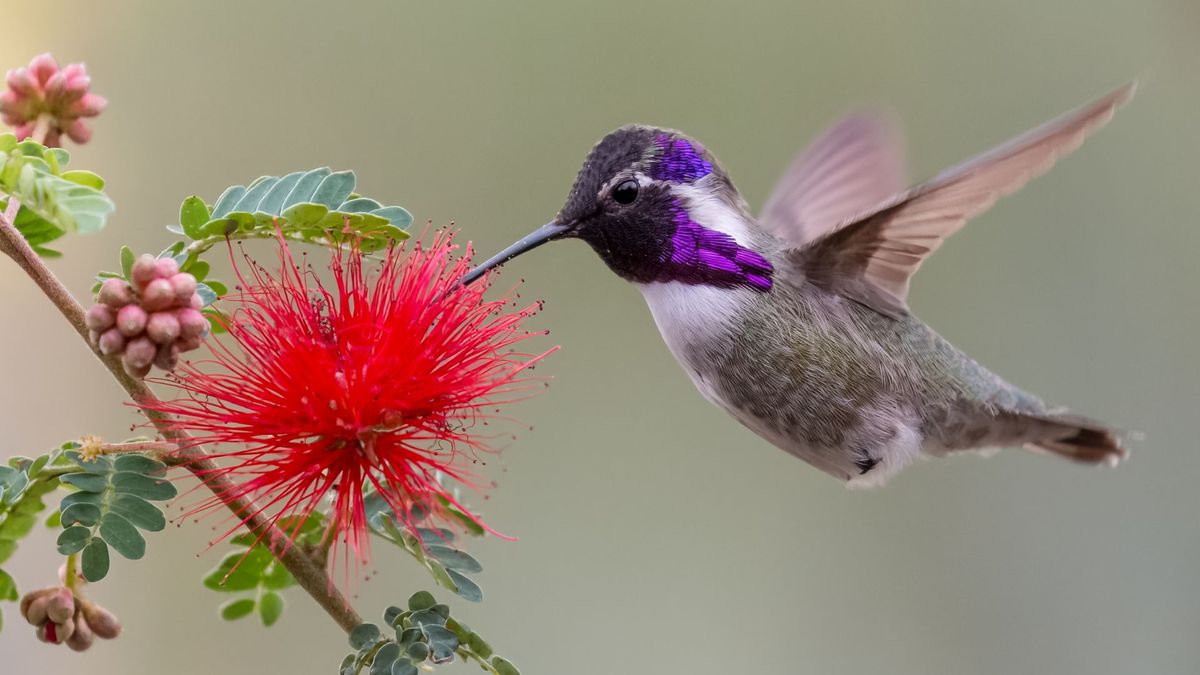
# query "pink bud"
(102, 621)
(89, 105)
(140, 353)
(111, 342)
(184, 285)
(167, 268)
(42, 67)
(9, 100)
(131, 320)
(78, 131)
(99, 317)
(187, 344)
(35, 612)
(196, 302)
(143, 270)
(24, 131)
(192, 322)
(19, 80)
(62, 605)
(167, 357)
(158, 295)
(163, 327)
(83, 637)
(115, 293)
(55, 86)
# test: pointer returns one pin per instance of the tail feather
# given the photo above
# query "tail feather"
(1078, 439)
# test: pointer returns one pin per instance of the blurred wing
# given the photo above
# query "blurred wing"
(871, 257)
(854, 165)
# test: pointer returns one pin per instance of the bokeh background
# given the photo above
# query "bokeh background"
(656, 535)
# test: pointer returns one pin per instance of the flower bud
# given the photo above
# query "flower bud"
(111, 342)
(192, 323)
(35, 610)
(139, 353)
(61, 606)
(115, 293)
(163, 327)
(83, 636)
(196, 302)
(167, 357)
(187, 344)
(131, 320)
(101, 621)
(184, 285)
(56, 633)
(137, 372)
(144, 270)
(100, 317)
(157, 295)
(165, 268)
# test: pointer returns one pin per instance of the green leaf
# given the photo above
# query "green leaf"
(503, 666)
(198, 269)
(156, 489)
(94, 561)
(86, 178)
(7, 548)
(270, 608)
(364, 635)
(87, 482)
(239, 570)
(127, 259)
(255, 193)
(228, 199)
(140, 464)
(360, 205)
(334, 189)
(403, 667)
(466, 588)
(273, 201)
(81, 513)
(122, 536)
(442, 642)
(236, 609)
(139, 512)
(8, 587)
(207, 295)
(384, 658)
(455, 559)
(306, 187)
(193, 215)
(421, 600)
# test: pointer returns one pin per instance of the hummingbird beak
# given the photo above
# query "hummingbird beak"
(548, 232)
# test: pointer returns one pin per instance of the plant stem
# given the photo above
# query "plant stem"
(308, 573)
(72, 575)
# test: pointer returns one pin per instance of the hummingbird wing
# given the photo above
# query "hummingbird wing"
(854, 165)
(871, 257)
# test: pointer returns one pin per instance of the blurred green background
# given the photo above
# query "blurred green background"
(656, 535)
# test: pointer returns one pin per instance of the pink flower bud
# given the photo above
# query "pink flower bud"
(131, 320)
(140, 353)
(143, 271)
(136, 371)
(115, 293)
(42, 67)
(196, 302)
(102, 621)
(78, 131)
(158, 295)
(111, 342)
(167, 357)
(187, 344)
(99, 317)
(184, 285)
(83, 636)
(62, 605)
(35, 612)
(163, 327)
(192, 323)
(56, 85)
(19, 80)
(90, 105)
(167, 268)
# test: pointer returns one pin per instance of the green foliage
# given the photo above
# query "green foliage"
(24, 482)
(251, 569)
(417, 638)
(110, 508)
(54, 201)
(431, 547)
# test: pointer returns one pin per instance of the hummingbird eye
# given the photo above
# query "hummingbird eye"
(626, 192)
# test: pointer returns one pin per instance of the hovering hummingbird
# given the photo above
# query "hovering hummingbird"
(796, 322)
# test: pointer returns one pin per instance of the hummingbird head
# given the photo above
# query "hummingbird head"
(655, 206)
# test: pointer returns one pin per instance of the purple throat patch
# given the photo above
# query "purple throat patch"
(707, 257)
(678, 161)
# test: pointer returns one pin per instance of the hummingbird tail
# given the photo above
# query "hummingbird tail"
(1078, 439)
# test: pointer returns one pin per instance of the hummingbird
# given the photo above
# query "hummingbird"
(796, 322)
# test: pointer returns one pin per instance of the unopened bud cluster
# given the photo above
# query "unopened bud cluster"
(150, 321)
(63, 618)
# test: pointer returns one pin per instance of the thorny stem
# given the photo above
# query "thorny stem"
(308, 573)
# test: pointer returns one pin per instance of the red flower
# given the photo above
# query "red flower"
(378, 379)
(45, 90)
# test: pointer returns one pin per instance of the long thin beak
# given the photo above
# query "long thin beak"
(548, 232)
